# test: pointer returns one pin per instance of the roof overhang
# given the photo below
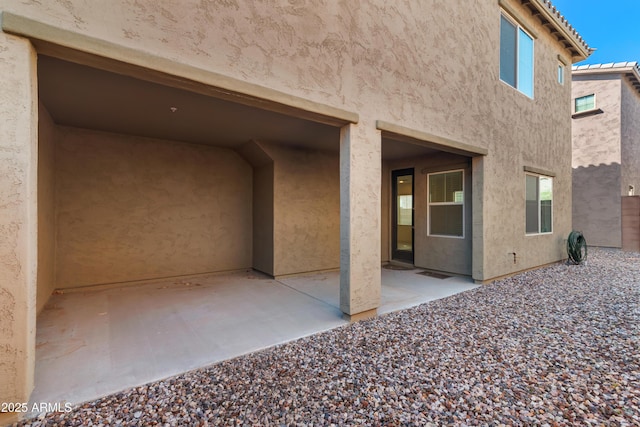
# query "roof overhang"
(559, 27)
(630, 70)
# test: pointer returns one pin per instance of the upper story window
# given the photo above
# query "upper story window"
(516, 56)
(539, 204)
(561, 74)
(584, 103)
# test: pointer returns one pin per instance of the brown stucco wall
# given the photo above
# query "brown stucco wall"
(46, 206)
(354, 56)
(306, 209)
(596, 162)
(134, 209)
(630, 138)
(426, 65)
(263, 220)
(596, 204)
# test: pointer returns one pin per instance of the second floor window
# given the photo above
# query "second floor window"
(585, 103)
(516, 56)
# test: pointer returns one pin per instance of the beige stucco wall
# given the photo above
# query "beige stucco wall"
(263, 219)
(596, 204)
(306, 209)
(46, 206)
(134, 209)
(597, 162)
(426, 65)
(630, 138)
(18, 218)
(395, 63)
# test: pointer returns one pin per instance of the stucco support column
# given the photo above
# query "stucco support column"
(360, 169)
(477, 218)
(18, 218)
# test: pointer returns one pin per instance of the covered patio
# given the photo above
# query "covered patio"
(95, 341)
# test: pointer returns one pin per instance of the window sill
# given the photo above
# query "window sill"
(587, 113)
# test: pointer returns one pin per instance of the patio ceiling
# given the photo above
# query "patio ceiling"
(86, 97)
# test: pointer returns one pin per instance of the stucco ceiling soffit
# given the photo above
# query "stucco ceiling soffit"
(435, 142)
(102, 54)
(558, 26)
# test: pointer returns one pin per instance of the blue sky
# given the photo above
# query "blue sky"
(610, 26)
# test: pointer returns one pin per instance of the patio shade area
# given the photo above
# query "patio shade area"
(93, 342)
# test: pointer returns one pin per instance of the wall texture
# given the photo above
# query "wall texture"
(597, 158)
(596, 204)
(46, 206)
(263, 219)
(133, 209)
(18, 218)
(306, 210)
(631, 223)
(396, 63)
(630, 138)
(427, 65)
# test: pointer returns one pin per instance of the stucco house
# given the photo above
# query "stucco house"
(606, 153)
(149, 139)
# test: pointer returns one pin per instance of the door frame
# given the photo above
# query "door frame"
(399, 254)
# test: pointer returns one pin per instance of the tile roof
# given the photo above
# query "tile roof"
(560, 27)
(612, 66)
(631, 70)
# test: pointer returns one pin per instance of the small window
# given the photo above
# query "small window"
(446, 203)
(516, 56)
(585, 103)
(561, 74)
(539, 204)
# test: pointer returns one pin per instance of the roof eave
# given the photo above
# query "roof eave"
(565, 33)
(631, 72)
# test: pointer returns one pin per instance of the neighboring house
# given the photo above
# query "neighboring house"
(148, 139)
(606, 153)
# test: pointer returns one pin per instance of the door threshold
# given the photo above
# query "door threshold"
(402, 264)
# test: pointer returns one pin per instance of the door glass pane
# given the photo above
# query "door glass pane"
(404, 214)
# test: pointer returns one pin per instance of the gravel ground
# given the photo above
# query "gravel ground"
(553, 346)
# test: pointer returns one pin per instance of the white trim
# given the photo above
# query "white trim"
(595, 104)
(538, 233)
(429, 204)
(561, 73)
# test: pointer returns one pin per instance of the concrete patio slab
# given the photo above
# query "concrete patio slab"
(94, 342)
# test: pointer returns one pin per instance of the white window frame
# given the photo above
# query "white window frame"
(539, 207)
(561, 69)
(575, 101)
(429, 204)
(519, 28)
